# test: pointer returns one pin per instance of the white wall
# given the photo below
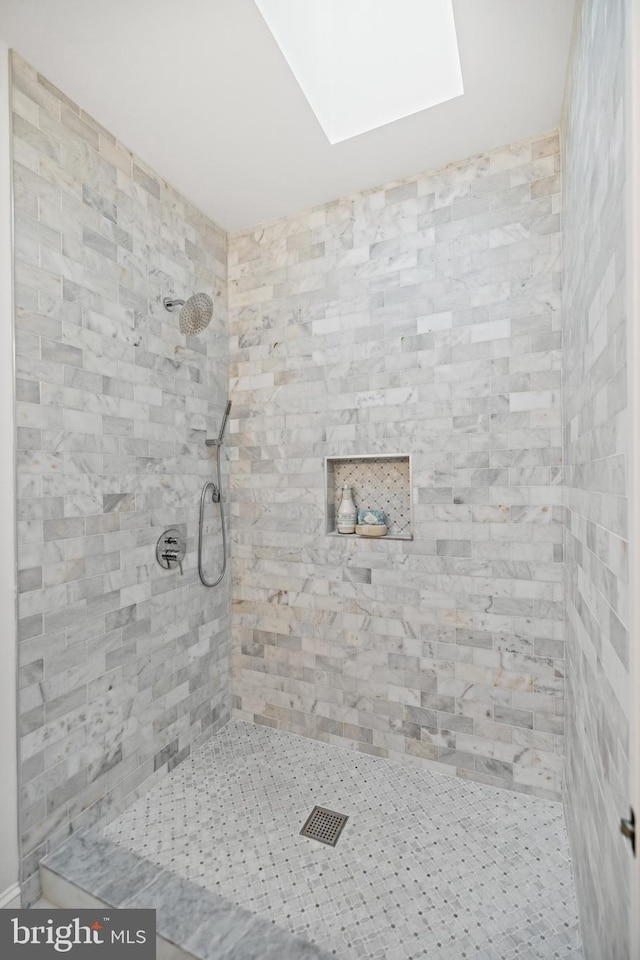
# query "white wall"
(8, 753)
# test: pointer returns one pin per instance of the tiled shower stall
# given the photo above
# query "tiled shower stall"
(461, 332)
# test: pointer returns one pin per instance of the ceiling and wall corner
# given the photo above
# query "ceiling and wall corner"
(261, 153)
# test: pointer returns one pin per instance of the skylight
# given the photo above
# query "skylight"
(364, 63)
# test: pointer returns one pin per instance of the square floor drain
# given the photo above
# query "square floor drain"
(324, 825)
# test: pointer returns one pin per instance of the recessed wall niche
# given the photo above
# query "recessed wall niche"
(376, 481)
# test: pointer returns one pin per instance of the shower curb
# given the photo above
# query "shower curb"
(192, 923)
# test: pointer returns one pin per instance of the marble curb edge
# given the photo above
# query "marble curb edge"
(188, 916)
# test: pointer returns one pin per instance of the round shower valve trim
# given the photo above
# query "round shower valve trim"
(170, 549)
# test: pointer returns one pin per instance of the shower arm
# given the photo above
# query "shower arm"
(169, 304)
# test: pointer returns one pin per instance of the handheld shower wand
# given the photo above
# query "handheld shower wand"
(225, 416)
(216, 497)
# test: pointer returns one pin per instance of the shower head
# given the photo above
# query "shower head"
(195, 314)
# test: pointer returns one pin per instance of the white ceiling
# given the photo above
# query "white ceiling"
(200, 90)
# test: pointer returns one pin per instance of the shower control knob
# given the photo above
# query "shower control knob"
(171, 556)
(171, 549)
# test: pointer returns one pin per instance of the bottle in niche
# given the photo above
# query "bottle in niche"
(347, 511)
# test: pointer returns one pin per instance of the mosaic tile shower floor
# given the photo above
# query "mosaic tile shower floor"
(427, 866)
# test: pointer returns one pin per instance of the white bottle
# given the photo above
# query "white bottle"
(347, 512)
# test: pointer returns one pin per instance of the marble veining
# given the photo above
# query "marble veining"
(200, 922)
(418, 317)
(123, 666)
(597, 441)
(427, 866)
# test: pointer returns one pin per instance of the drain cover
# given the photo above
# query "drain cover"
(324, 825)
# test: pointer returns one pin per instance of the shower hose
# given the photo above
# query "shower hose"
(216, 497)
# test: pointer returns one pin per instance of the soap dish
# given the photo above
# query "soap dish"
(371, 529)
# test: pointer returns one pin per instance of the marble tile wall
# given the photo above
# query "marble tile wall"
(596, 440)
(123, 666)
(422, 317)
